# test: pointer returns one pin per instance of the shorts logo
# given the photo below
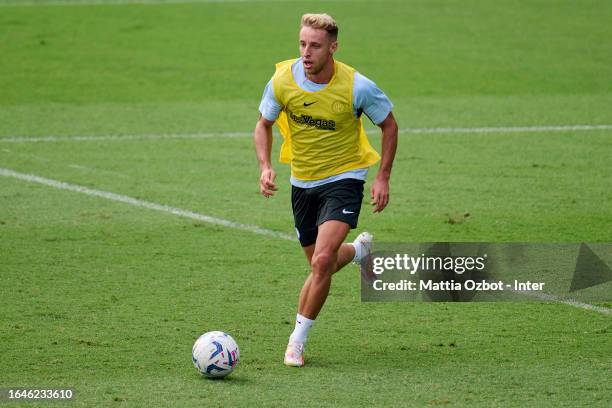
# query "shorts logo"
(338, 107)
(345, 211)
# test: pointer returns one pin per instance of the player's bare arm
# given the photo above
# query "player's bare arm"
(263, 147)
(380, 189)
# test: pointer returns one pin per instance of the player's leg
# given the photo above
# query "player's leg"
(324, 259)
(305, 207)
(340, 202)
(324, 263)
(346, 254)
(337, 207)
(308, 251)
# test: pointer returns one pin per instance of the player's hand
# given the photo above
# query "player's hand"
(267, 187)
(379, 193)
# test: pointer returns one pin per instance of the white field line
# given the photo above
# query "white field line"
(44, 3)
(144, 204)
(20, 139)
(511, 129)
(565, 301)
(450, 130)
(226, 223)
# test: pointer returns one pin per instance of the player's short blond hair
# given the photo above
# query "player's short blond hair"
(321, 21)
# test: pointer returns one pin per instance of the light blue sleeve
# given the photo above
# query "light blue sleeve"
(269, 106)
(369, 99)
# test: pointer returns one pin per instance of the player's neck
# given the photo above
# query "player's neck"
(323, 76)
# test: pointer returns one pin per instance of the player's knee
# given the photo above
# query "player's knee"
(322, 262)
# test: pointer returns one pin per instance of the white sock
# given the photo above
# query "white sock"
(358, 254)
(302, 326)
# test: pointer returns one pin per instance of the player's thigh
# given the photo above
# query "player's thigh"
(331, 235)
(341, 201)
(309, 251)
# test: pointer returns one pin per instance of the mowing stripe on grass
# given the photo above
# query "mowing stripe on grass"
(226, 223)
(145, 204)
(451, 130)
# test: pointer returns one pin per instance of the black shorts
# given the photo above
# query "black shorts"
(339, 200)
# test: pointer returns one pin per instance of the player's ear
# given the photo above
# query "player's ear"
(333, 46)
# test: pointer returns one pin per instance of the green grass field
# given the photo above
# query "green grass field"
(108, 298)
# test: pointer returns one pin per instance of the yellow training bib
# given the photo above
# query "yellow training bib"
(322, 136)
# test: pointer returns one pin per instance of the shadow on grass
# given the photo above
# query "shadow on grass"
(229, 380)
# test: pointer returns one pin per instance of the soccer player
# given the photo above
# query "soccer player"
(317, 103)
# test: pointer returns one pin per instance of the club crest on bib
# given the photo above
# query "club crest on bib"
(338, 106)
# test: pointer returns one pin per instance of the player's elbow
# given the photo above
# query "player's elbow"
(389, 125)
(392, 128)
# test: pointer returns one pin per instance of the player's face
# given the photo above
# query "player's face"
(316, 49)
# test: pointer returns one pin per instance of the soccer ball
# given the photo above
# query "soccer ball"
(215, 354)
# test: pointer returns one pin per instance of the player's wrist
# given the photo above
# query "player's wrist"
(264, 167)
(383, 175)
